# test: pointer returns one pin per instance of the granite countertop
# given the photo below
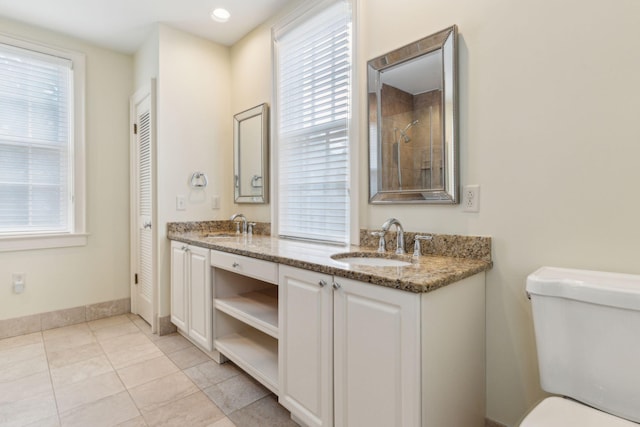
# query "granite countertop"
(425, 274)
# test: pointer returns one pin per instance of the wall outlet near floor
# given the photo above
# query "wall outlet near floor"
(181, 203)
(471, 198)
(18, 282)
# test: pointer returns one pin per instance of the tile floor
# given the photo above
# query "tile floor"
(115, 372)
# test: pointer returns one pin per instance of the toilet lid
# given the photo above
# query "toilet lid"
(560, 412)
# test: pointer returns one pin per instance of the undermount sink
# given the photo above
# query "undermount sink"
(222, 235)
(370, 259)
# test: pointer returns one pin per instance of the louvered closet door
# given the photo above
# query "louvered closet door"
(144, 207)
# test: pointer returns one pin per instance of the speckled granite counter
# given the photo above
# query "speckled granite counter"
(426, 274)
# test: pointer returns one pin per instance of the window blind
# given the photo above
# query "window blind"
(313, 69)
(35, 142)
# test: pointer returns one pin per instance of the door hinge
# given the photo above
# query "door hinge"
(135, 280)
(135, 128)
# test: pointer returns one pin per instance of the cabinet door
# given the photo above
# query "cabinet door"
(305, 347)
(377, 356)
(179, 285)
(200, 302)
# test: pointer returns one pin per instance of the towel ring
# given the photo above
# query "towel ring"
(199, 180)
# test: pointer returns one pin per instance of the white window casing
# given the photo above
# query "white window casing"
(313, 113)
(42, 155)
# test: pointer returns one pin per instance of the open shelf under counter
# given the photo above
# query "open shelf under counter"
(254, 352)
(258, 309)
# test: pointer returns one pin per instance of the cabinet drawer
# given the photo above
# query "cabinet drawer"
(256, 268)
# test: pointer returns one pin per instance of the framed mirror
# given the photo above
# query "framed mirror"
(412, 102)
(251, 155)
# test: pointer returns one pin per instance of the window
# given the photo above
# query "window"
(41, 146)
(313, 110)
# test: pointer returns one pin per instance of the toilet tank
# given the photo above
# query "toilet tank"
(587, 327)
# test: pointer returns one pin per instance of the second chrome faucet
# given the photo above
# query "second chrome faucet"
(247, 227)
(399, 235)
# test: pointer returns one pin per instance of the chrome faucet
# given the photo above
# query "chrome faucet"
(243, 219)
(399, 234)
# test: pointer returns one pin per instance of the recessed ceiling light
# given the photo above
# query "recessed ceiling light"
(220, 15)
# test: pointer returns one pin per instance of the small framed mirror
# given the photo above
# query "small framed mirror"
(251, 155)
(412, 101)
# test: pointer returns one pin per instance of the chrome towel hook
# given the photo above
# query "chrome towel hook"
(199, 180)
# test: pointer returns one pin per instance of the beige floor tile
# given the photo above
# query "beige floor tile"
(127, 350)
(21, 340)
(132, 355)
(68, 341)
(87, 391)
(107, 412)
(108, 321)
(135, 422)
(123, 341)
(146, 371)
(144, 327)
(173, 342)
(53, 421)
(154, 394)
(79, 329)
(86, 375)
(194, 410)
(188, 357)
(22, 362)
(28, 411)
(210, 373)
(80, 371)
(25, 387)
(69, 356)
(235, 393)
(9, 356)
(117, 330)
(264, 412)
(225, 422)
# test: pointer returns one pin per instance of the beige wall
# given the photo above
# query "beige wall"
(146, 61)
(194, 134)
(251, 85)
(70, 277)
(548, 99)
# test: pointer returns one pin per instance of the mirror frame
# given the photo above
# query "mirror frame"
(262, 111)
(447, 42)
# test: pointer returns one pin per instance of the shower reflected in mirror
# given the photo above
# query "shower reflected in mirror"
(412, 122)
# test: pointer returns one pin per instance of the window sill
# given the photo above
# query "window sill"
(42, 241)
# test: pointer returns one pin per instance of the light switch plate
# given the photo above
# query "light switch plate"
(215, 202)
(181, 203)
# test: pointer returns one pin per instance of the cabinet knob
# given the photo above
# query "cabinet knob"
(185, 248)
(235, 264)
(322, 283)
(336, 285)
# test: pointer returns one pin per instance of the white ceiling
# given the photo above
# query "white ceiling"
(123, 25)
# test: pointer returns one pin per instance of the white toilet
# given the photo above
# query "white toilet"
(587, 326)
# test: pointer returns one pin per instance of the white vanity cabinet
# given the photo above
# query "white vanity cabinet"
(306, 345)
(191, 293)
(245, 305)
(356, 354)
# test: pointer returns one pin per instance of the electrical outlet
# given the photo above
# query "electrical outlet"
(18, 282)
(181, 203)
(471, 198)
